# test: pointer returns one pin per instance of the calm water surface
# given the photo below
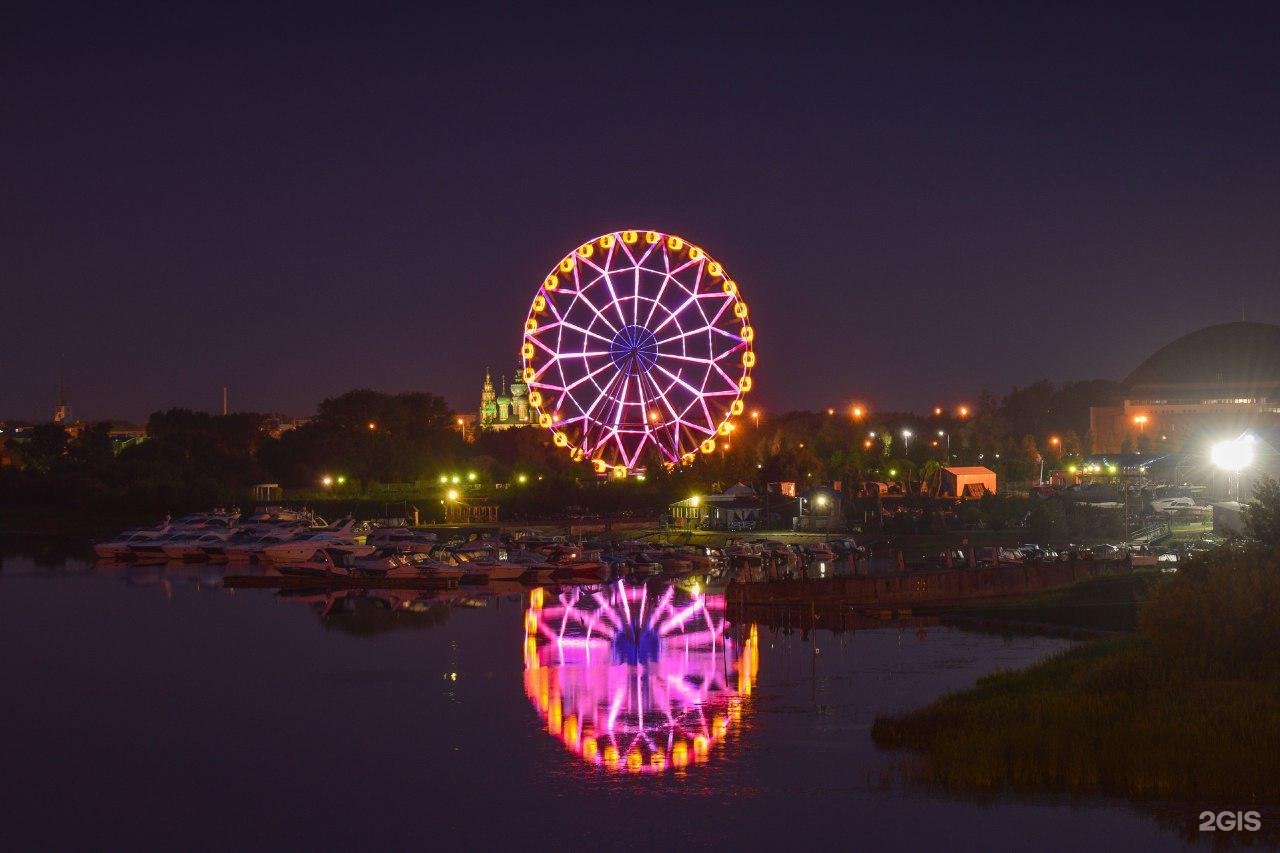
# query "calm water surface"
(150, 708)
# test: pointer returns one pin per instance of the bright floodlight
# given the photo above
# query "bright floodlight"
(1233, 455)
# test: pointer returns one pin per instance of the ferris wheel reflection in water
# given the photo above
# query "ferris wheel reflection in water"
(634, 678)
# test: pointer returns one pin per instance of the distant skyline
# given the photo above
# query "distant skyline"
(295, 203)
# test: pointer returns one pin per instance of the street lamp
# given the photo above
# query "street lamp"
(964, 411)
(755, 417)
(857, 413)
(942, 433)
(906, 439)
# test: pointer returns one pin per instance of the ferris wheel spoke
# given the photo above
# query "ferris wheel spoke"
(683, 335)
(569, 386)
(696, 392)
(732, 383)
(613, 293)
(729, 300)
(579, 329)
(677, 312)
(580, 294)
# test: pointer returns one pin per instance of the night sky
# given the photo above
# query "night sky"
(301, 201)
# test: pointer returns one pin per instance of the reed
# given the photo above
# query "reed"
(1184, 709)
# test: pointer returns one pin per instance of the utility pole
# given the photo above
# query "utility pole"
(224, 400)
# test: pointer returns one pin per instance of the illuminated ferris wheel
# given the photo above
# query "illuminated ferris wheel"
(638, 347)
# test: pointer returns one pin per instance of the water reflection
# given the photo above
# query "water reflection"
(638, 678)
(369, 612)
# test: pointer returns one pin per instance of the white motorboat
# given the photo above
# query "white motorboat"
(480, 561)
(402, 539)
(185, 528)
(120, 547)
(341, 535)
(340, 562)
(195, 547)
(255, 544)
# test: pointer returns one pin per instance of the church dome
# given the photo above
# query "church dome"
(1235, 358)
(504, 399)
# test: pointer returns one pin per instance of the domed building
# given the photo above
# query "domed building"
(506, 410)
(1211, 384)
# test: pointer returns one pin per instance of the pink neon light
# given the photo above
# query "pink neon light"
(637, 350)
(657, 695)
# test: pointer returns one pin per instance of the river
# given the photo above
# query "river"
(150, 708)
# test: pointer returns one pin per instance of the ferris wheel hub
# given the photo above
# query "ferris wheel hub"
(634, 350)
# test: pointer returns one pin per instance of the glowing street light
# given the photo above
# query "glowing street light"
(937, 410)
(372, 425)
(857, 412)
(964, 411)
(453, 494)
(326, 481)
(906, 438)
(1141, 421)
(522, 478)
(755, 417)
(1233, 456)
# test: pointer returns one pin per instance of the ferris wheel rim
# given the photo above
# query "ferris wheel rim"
(662, 365)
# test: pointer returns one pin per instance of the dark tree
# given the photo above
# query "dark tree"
(1262, 514)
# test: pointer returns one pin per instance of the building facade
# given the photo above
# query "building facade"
(507, 408)
(1210, 385)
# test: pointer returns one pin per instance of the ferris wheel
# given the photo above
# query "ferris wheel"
(638, 347)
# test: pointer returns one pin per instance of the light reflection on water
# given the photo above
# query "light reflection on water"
(630, 681)
(234, 715)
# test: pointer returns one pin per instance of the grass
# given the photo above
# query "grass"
(1106, 718)
(1184, 709)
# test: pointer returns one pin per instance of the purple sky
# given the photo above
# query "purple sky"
(298, 202)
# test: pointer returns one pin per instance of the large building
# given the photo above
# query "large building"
(508, 409)
(1210, 385)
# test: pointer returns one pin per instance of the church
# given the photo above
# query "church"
(506, 410)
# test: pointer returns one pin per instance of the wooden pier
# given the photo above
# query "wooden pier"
(920, 588)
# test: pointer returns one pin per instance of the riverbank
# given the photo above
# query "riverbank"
(1104, 604)
(1183, 710)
